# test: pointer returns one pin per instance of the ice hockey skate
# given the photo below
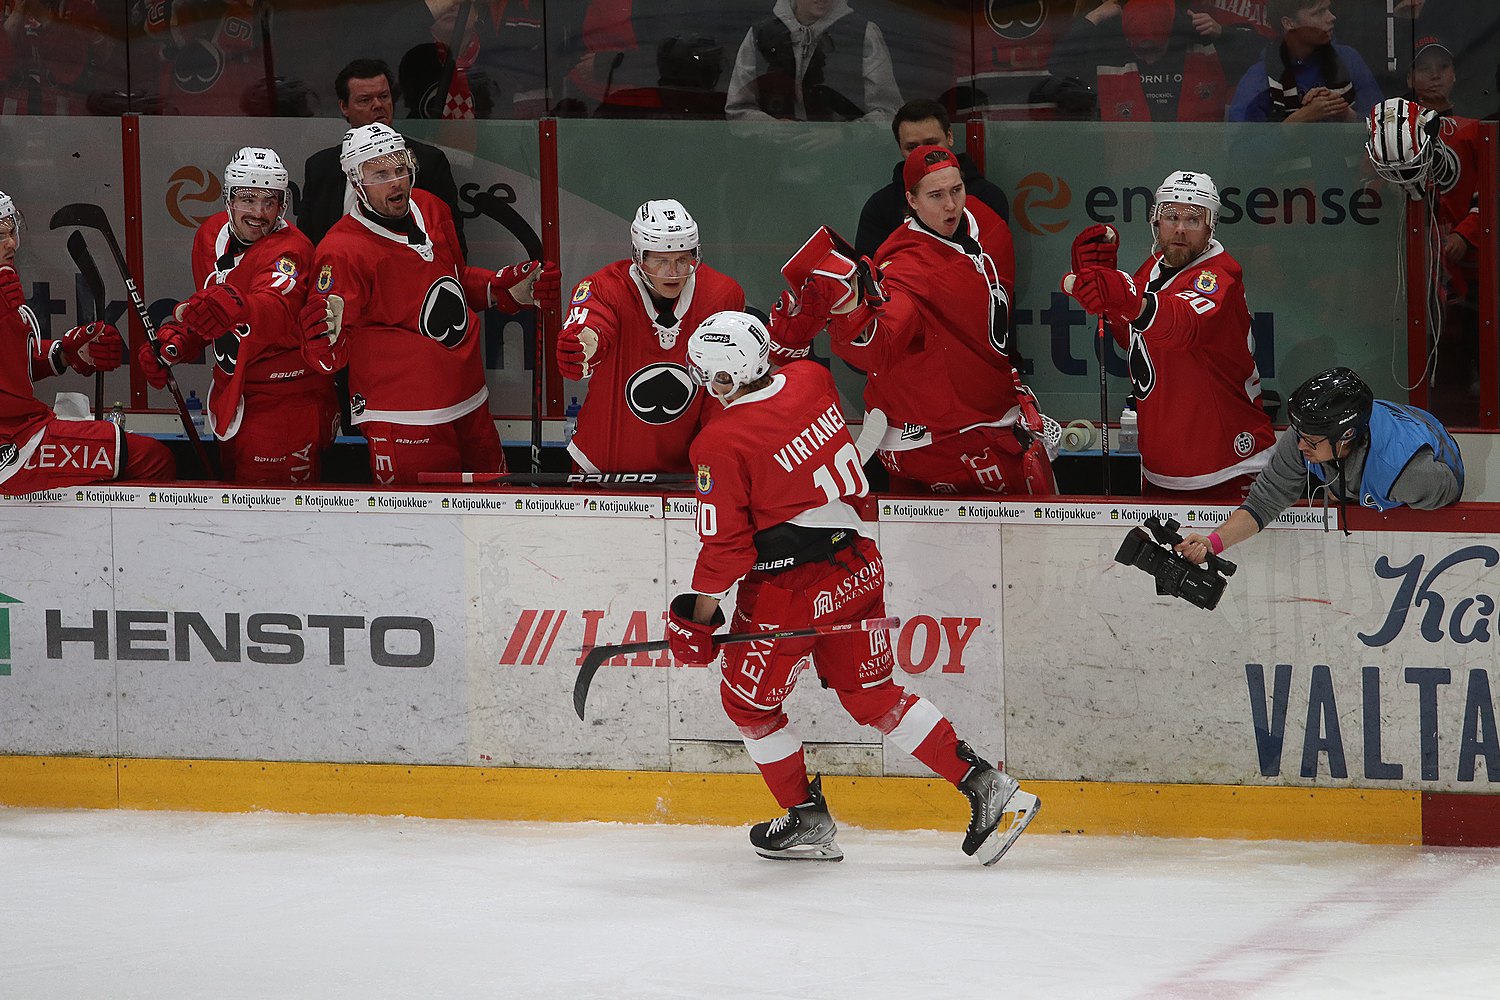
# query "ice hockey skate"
(993, 795)
(805, 833)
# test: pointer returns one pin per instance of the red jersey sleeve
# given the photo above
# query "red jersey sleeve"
(590, 306)
(1177, 318)
(724, 526)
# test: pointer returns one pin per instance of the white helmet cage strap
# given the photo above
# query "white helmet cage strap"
(735, 344)
(1186, 187)
(256, 167)
(663, 227)
(1400, 145)
(368, 142)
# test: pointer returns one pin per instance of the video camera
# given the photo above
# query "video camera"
(1150, 548)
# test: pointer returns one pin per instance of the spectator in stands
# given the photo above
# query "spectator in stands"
(918, 123)
(54, 56)
(1432, 76)
(364, 89)
(1358, 448)
(813, 60)
(1307, 77)
(1147, 60)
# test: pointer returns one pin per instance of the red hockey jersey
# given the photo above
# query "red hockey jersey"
(780, 454)
(1193, 373)
(414, 343)
(26, 356)
(642, 409)
(937, 356)
(271, 275)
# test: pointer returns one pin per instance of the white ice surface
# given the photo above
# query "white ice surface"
(115, 905)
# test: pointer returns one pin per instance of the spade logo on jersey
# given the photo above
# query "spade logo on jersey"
(444, 316)
(660, 393)
(1142, 371)
(227, 348)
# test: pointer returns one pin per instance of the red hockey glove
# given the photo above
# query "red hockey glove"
(153, 369)
(796, 320)
(692, 642)
(531, 283)
(1105, 291)
(1096, 246)
(95, 347)
(209, 314)
(324, 345)
(571, 360)
(176, 344)
(11, 295)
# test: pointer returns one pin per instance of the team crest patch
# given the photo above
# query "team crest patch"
(1244, 441)
(1207, 282)
(583, 291)
(705, 480)
(287, 266)
(325, 278)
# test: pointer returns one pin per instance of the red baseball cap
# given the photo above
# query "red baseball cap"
(924, 160)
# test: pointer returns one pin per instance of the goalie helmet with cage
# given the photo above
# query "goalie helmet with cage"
(1401, 143)
(1188, 187)
(663, 227)
(258, 168)
(1333, 404)
(734, 344)
(377, 142)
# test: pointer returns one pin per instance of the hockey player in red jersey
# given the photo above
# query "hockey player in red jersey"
(929, 320)
(1184, 319)
(780, 492)
(626, 332)
(272, 413)
(394, 300)
(39, 450)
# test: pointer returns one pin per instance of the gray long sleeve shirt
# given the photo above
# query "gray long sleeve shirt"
(1425, 483)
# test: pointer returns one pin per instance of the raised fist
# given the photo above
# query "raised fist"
(324, 345)
(150, 366)
(11, 295)
(210, 313)
(796, 320)
(1096, 246)
(573, 354)
(1105, 291)
(95, 347)
(530, 283)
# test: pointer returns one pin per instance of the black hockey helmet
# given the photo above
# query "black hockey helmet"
(1335, 404)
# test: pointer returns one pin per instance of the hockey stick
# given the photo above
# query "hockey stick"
(1104, 401)
(595, 657)
(556, 478)
(85, 216)
(268, 58)
(78, 249)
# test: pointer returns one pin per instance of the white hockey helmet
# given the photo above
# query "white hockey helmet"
(1186, 187)
(10, 216)
(367, 142)
(256, 167)
(729, 343)
(1400, 146)
(663, 227)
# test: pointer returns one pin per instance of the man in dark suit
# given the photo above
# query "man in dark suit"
(365, 96)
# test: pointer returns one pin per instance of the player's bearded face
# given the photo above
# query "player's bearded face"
(253, 212)
(387, 183)
(1182, 233)
(938, 201)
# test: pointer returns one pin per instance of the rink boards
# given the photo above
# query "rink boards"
(212, 648)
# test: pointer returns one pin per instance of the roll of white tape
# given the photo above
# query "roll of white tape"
(1078, 436)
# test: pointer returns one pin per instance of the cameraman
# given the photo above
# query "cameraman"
(1375, 453)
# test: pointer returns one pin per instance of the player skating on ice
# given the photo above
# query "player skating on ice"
(780, 488)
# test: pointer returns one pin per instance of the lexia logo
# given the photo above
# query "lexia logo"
(5, 602)
(188, 188)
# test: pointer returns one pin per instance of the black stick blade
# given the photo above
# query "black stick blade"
(81, 214)
(594, 659)
(78, 249)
